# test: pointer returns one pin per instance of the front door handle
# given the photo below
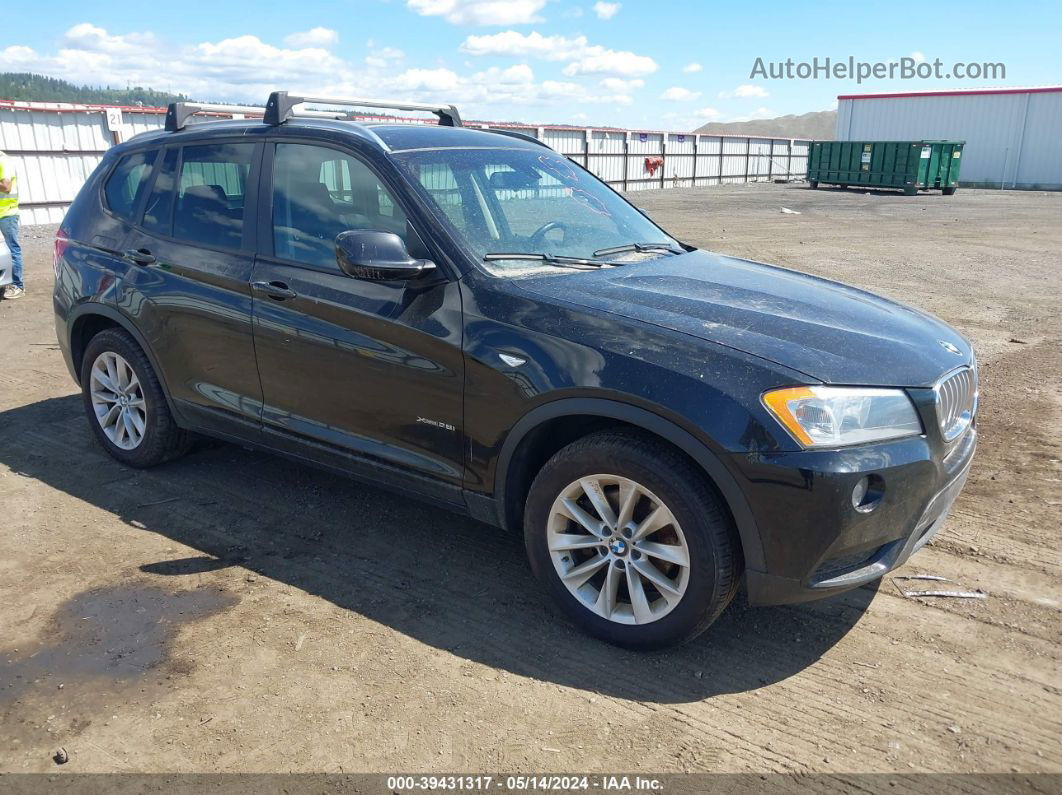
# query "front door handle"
(139, 256)
(276, 290)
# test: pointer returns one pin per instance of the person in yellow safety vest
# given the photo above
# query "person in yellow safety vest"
(9, 225)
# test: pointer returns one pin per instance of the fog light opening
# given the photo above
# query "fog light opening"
(867, 493)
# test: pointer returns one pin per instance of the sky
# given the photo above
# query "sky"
(632, 63)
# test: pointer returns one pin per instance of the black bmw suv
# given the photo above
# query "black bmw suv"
(469, 317)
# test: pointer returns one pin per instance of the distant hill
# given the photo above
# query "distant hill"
(819, 125)
(38, 88)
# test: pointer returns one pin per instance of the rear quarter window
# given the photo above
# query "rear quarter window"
(126, 184)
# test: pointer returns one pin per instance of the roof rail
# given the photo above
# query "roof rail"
(178, 113)
(281, 106)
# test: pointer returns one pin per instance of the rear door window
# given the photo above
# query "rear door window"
(126, 184)
(211, 194)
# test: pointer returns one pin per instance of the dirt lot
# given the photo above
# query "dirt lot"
(233, 612)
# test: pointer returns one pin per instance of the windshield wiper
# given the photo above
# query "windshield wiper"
(552, 259)
(638, 247)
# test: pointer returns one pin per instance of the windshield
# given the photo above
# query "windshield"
(524, 201)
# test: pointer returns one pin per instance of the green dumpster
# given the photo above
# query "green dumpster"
(909, 166)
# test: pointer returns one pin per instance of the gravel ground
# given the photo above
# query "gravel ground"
(234, 612)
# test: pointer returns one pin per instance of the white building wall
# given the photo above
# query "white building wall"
(1013, 140)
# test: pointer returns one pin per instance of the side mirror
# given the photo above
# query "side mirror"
(378, 256)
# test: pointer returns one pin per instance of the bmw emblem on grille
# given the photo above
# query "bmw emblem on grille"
(949, 347)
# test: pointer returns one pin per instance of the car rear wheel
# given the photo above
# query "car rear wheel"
(631, 541)
(125, 404)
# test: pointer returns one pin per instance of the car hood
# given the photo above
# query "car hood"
(830, 331)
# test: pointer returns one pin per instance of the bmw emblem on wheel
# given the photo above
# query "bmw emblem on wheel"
(949, 347)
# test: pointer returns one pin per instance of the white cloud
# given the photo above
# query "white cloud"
(707, 113)
(480, 12)
(918, 57)
(679, 94)
(17, 53)
(606, 10)
(747, 90)
(692, 68)
(314, 37)
(509, 42)
(381, 57)
(583, 57)
(89, 38)
(619, 85)
(239, 69)
(430, 80)
(602, 61)
(560, 89)
(245, 69)
(512, 75)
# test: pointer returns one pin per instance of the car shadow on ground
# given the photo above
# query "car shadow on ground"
(442, 579)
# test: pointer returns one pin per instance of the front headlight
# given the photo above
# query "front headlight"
(834, 416)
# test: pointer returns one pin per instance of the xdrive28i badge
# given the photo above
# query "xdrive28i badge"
(949, 347)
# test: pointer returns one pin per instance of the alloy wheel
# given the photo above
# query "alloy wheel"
(118, 400)
(618, 549)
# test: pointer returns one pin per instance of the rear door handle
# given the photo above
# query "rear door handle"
(139, 256)
(275, 290)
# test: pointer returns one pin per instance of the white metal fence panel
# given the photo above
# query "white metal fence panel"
(606, 158)
(679, 163)
(48, 183)
(709, 160)
(643, 151)
(49, 131)
(759, 166)
(56, 146)
(798, 166)
(735, 165)
(568, 142)
(136, 123)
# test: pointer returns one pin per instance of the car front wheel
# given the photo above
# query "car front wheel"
(631, 540)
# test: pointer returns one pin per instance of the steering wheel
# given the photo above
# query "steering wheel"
(538, 237)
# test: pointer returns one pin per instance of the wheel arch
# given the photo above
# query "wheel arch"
(88, 320)
(511, 481)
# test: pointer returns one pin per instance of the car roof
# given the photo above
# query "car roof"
(388, 137)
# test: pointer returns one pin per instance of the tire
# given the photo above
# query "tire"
(813, 184)
(949, 191)
(152, 440)
(712, 550)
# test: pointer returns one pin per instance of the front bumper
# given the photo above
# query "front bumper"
(816, 543)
